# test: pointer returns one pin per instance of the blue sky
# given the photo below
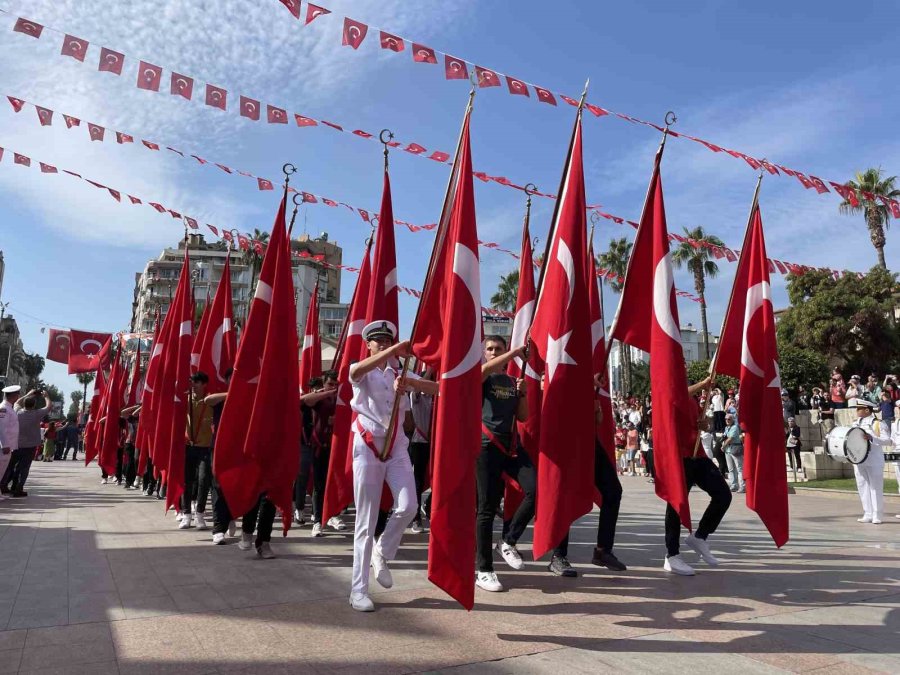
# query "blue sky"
(807, 86)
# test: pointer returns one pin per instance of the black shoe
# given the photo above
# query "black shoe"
(4, 490)
(20, 493)
(608, 560)
(560, 566)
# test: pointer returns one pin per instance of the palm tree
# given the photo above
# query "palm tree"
(33, 366)
(507, 292)
(85, 379)
(877, 215)
(252, 258)
(696, 256)
(615, 260)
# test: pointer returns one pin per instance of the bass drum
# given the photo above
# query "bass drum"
(847, 444)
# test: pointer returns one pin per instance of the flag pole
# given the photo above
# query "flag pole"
(715, 360)
(670, 120)
(594, 218)
(555, 220)
(438, 245)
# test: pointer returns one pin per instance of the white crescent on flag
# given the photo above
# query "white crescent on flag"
(465, 266)
(89, 341)
(663, 283)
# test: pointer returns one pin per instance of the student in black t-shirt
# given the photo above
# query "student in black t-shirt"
(503, 403)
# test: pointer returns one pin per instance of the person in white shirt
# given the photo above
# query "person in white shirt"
(895, 438)
(375, 383)
(9, 427)
(717, 403)
(870, 472)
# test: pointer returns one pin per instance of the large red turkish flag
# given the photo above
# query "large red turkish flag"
(648, 319)
(448, 338)
(311, 356)
(382, 301)
(273, 434)
(606, 430)
(529, 430)
(561, 333)
(238, 475)
(339, 483)
(94, 414)
(58, 345)
(151, 381)
(84, 350)
(113, 404)
(218, 343)
(748, 350)
(199, 335)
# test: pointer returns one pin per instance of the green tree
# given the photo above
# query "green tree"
(615, 260)
(84, 379)
(699, 370)
(16, 362)
(876, 214)
(847, 321)
(640, 380)
(33, 366)
(801, 368)
(698, 262)
(507, 292)
(75, 405)
(252, 258)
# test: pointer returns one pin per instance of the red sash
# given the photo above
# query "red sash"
(369, 439)
(492, 439)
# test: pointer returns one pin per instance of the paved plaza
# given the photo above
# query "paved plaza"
(95, 580)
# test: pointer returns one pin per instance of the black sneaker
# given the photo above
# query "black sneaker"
(20, 493)
(606, 559)
(4, 490)
(560, 566)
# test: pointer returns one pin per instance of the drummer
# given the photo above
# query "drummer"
(870, 472)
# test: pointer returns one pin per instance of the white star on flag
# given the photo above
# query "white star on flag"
(556, 354)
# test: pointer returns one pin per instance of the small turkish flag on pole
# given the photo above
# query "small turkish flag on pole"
(647, 318)
(136, 386)
(238, 475)
(218, 345)
(273, 434)
(339, 483)
(58, 345)
(113, 404)
(311, 354)
(84, 350)
(748, 350)
(199, 336)
(447, 336)
(606, 431)
(561, 333)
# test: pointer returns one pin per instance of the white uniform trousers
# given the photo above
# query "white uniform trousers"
(870, 485)
(369, 476)
(4, 462)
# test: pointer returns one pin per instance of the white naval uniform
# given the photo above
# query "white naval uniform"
(373, 398)
(870, 473)
(9, 433)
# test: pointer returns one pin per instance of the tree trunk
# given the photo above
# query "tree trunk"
(876, 234)
(700, 287)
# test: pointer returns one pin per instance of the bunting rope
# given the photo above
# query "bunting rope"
(97, 132)
(354, 33)
(150, 78)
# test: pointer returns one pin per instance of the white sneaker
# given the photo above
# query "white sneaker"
(219, 538)
(379, 565)
(864, 519)
(676, 565)
(200, 521)
(264, 551)
(103, 481)
(185, 521)
(316, 530)
(246, 542)
(336, 523)
(702, 549)
(232, 528)
(876, 521)
(416, 528)
(510, 555)
(298, 517)
(488, 581)
(361, 603)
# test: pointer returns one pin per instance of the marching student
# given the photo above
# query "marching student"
(197, 454)
(421, 407)
(375, 382)
(222, 520)
(870, 472)
(699, 470)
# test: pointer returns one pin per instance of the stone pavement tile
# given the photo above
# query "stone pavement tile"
(198, 598)
(90, 580)
(12, 639)
(65, 656)
(9, 660)
(566, 660)
(253, 594)
(138, 606)
(846, 669)
(104, 668)
(88, 607)
(30, 613)
(81, 634)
